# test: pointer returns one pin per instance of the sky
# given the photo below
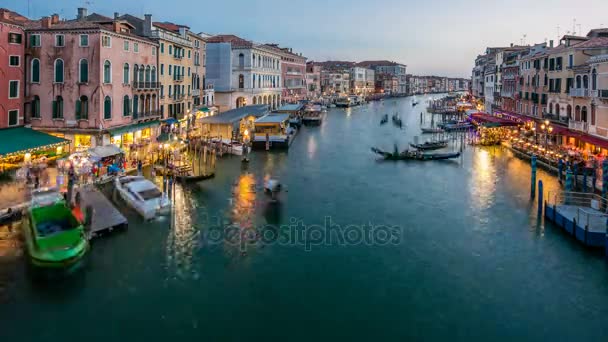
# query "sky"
(431, 37)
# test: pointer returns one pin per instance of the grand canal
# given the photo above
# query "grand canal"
(469, 259)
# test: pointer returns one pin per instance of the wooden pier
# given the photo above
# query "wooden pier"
(105, 217)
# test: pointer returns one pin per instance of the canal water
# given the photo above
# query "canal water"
(354, 249)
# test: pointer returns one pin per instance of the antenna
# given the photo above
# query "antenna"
(525, 36)
(558, 36)
(579, 29)
(574, 26)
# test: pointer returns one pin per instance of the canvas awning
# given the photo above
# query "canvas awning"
(132, 127)
(19, 140)
(101, 152)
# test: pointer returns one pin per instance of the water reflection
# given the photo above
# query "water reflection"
(312, 147)
(183, 239)
(483, 181)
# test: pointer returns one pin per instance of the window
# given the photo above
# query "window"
(188, 90)
(140, 77)
(147, 74)
(188, 71)
(169, 90)
(594, 80)
(13, 61)
(162, 69)
(59, 71)
(35, 72)
(58, 108)
(170, 69)
(162, 47)
(189, 53)
(107, 72)
(126, 45)
(154, 51)
(570, 61)
(13, 89)
(59, 40)
(153, 76)
(83, 71)
(84, 40)
(107, 108)
(35, 40)
(106, 41)
(13, 117)
(135, 47)
(241, 81)
(170, 49)
(82, 108)
(14, 38)
(126, 106)
(125, 73)
(162, 91)
(36, 107)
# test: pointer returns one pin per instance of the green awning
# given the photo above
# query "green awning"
(132, 127)
(22, 140)
(204, 109)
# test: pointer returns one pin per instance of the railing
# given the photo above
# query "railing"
(580, 199)
(579, 92)
(178, 57)
(555, 118)
(602, 93)
(196, 92)
(147, 114)
(178, 78)
(579, 126)
(171, 37)
(146, 85)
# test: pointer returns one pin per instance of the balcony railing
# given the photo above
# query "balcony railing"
(602, 94)
(178, 78)
(146, 114)
(146, 85)
(555, 118)
(579, 92)
(196, 92)
(171, 37)
(178, 57)
(579, 126)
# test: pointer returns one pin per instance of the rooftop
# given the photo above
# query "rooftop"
(169, 26)
(235, 115)
(290, 107)
(593, 43)
(378, 63)
(10, 17)
(230, 38)
(272, 118)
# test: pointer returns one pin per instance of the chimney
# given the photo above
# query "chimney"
(551, 43)
(147, 31)
(116, 15)
(82, 13)
(46, 22)
(511, 44)
(116, 26)
(55, 18)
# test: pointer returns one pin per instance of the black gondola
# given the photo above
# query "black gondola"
(415, 155)
(430, 145)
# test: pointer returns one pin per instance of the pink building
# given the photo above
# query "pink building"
(91, 81)
(12, 39)
(293, 74)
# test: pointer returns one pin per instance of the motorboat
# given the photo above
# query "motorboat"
(344, 102)
(313, 116)
(431, 130)
(143, 196)
(54, 237)
(230, 146)
(272, 186)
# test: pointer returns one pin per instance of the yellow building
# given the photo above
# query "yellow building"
(175, 61)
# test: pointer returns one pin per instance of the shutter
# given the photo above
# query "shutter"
(78, 110)
(54, 109)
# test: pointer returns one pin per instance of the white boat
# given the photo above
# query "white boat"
(313, 115)
(343, 102)
(143, 196)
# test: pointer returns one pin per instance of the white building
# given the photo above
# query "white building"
(243, 73)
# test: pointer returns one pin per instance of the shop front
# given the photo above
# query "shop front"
(137, 139)
(27, 146)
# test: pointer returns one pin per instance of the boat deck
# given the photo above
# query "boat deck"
(586, 224)
(106, 218)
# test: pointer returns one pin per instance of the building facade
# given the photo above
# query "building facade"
(392, 68)
(12, 70)
(313, 80)
(88, 77)
(293, 73)
(243, 72)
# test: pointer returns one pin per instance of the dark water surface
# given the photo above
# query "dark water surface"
(471, 261)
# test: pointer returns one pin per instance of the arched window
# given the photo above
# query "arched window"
(594, 80)
(147, 74)
(126, 73)
(126, 106)
(35, 70)
(83, 71)
(569, 111)
(141, 74)
(259, 61)
(82, 108)
(107, 108)
(107, 72)
(592, 114)
(241, 60)
(584, 114)
(585, 82)
(578, 82)
(253, 59)
(153, 75)
(135, 106)
(36, 107)
(260, 82)
(58, 108)
(59, 71)
(241, 81)
(557, 109)
(577, 113)
(255, 100)
(253, 84)
(135, 72)
(551, 108)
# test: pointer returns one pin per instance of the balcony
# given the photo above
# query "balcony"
(196, 92)
(555, 118)
(146, 85)
(147, 115)
(178, 57)
(178, 78)
(174, 38)
(580, 126)
(602, 94)
(579, 92)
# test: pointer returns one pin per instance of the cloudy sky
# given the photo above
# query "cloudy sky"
(440, 37)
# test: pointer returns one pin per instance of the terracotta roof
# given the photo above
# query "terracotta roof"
(284, 51)
(230, 38)
(169, 26)
(377, 63)
(593, 43)
(13, 17)
(66, 25)
(97, 17)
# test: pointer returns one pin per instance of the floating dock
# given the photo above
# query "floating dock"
(106, 218)
(582, 215)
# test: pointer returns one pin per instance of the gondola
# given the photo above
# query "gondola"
(430, 145)
(431, 130)
(415, 155)
(384, 119)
